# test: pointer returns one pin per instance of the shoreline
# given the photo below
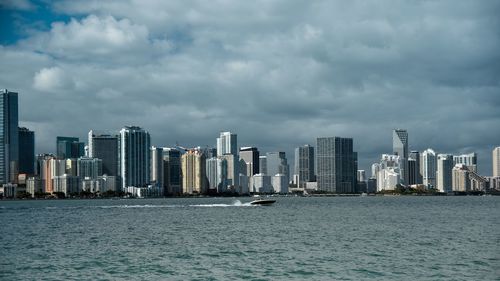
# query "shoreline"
(264, 195)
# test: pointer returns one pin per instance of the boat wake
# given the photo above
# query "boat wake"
(236, 203)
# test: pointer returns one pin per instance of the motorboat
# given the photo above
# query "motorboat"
(263, 202)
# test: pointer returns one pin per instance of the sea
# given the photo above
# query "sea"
(297, 238)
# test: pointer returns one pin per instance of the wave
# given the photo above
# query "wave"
(236, 203)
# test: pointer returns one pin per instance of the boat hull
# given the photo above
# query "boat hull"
(262, 202)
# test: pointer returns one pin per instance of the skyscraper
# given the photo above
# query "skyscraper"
(233, 176)
(277, 164)
(69, 147)
(217, 174)
(134, 157)
(89, 167)
(172, 158)
(105, 147)
(460, 178)
(304, 165)
(157, 166)
(444, 172)
(193, 172)
(336, 165)
(9, 136)
(389, 173)
(251, 157)
(263, 164)
(400, 148)
(414, 176)
(469, 160)
(428, 167)
(227, 143)
(496, 162)
(26, 151)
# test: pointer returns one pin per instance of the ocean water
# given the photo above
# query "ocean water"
(335, 238)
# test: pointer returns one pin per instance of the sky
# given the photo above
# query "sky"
(277, 73)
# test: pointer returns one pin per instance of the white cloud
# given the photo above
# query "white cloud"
(52, 79)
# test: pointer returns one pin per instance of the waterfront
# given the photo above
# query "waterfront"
(333, 238)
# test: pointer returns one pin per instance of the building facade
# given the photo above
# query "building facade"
(193, 172)
(89, 167)
(469, 160)
(389, 172)
(496, 162)
(444, 172)
(304, 165)
(135, 157)
(172, 158)
(227, 143)
(105, 147)
(69, 147)
(336, 165)
(9, 136)
(460, 178)
(251, 157)
(414, 176)
(400, 148)
(26, 151)
(428, 167)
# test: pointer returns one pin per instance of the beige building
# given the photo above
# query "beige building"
(460, 178)
(194, 178)
(496, 162)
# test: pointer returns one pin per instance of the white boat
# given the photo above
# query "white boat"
(263, 202)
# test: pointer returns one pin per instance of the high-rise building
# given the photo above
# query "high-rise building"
(279, 183)
(105, 147)
(444, 172)
(460, 178)
(69, 147)
(400, 148)
(172, 158)
(66, 184)
(135, 157)
(389, 174)
(304, 165)
(50, 167)
(217, 174)
(26, 151)
(428, 167)
(260, 183)
(233, 176)
(9, 137)
(251, 157)
(336, 165)
(469, 160)
(496, 162)
(375, 170)
(227, 143)
(193, 172)
(89, 167)
(157, 166)
(414, 176)
(361, 175)
(263, 165)
(277, 164)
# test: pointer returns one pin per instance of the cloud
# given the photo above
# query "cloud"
(98, 40)
(51, 79)
(277, 73)
(17, 5)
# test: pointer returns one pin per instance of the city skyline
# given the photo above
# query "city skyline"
(279, 80)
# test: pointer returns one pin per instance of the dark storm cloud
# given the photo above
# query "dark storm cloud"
(278, 73)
